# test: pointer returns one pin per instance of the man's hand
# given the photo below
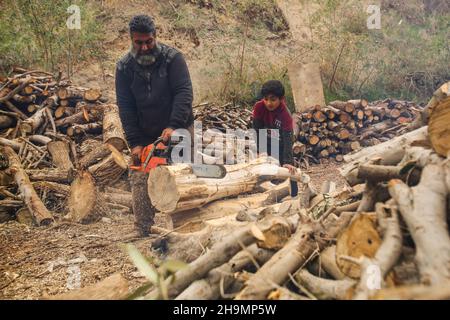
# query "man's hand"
(291, 168)
(136, 155)
(166, 134)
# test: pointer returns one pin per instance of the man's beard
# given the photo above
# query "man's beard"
(146, 59)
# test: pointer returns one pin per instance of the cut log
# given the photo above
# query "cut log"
(95, 155)
(386, 256)
(112, 128)
(40, 213)
(33, 123)
(59, 151)
(52, 175)
(175, 188)
(85, 203)
(92, 94)
(109, 170)
(78, 129)
(77, 118)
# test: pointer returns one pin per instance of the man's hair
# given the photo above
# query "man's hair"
(142, 24)
(274, 87)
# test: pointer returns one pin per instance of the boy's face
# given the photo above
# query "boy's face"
(272, 102)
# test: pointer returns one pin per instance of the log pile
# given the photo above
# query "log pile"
(61, 146)
(344, 127)
(224, 117)
(384, 236)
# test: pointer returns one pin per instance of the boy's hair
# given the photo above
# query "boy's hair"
(274, 87)
(142, 24)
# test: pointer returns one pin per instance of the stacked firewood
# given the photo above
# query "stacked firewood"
(344, 127)
(385, 236)
(61, 144)
(224, 117)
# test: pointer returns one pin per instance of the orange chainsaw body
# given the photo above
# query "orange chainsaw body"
(152, 156)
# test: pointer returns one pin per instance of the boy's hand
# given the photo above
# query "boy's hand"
(291, 168)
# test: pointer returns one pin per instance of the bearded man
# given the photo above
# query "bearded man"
(154, 95)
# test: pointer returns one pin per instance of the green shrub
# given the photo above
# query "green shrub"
(34, 33)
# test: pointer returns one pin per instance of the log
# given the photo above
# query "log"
(124, 199)
(77, 118)
(92, 94)
(95, 155)
(175, 188)
(30, 198)
(424, 209)
(221, 278)
(78, 129)
(386, 256)
(85, 203)
(291, 257)
(112, 128)
(59, 151)
(13, 144)
(33, 123)
(6, 121)
(51, 175)
(110, 168)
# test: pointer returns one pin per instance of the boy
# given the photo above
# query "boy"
(272, 113)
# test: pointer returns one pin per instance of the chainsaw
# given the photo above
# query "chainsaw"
(158, 154)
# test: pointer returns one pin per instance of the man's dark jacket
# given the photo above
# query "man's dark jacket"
(153, 98)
